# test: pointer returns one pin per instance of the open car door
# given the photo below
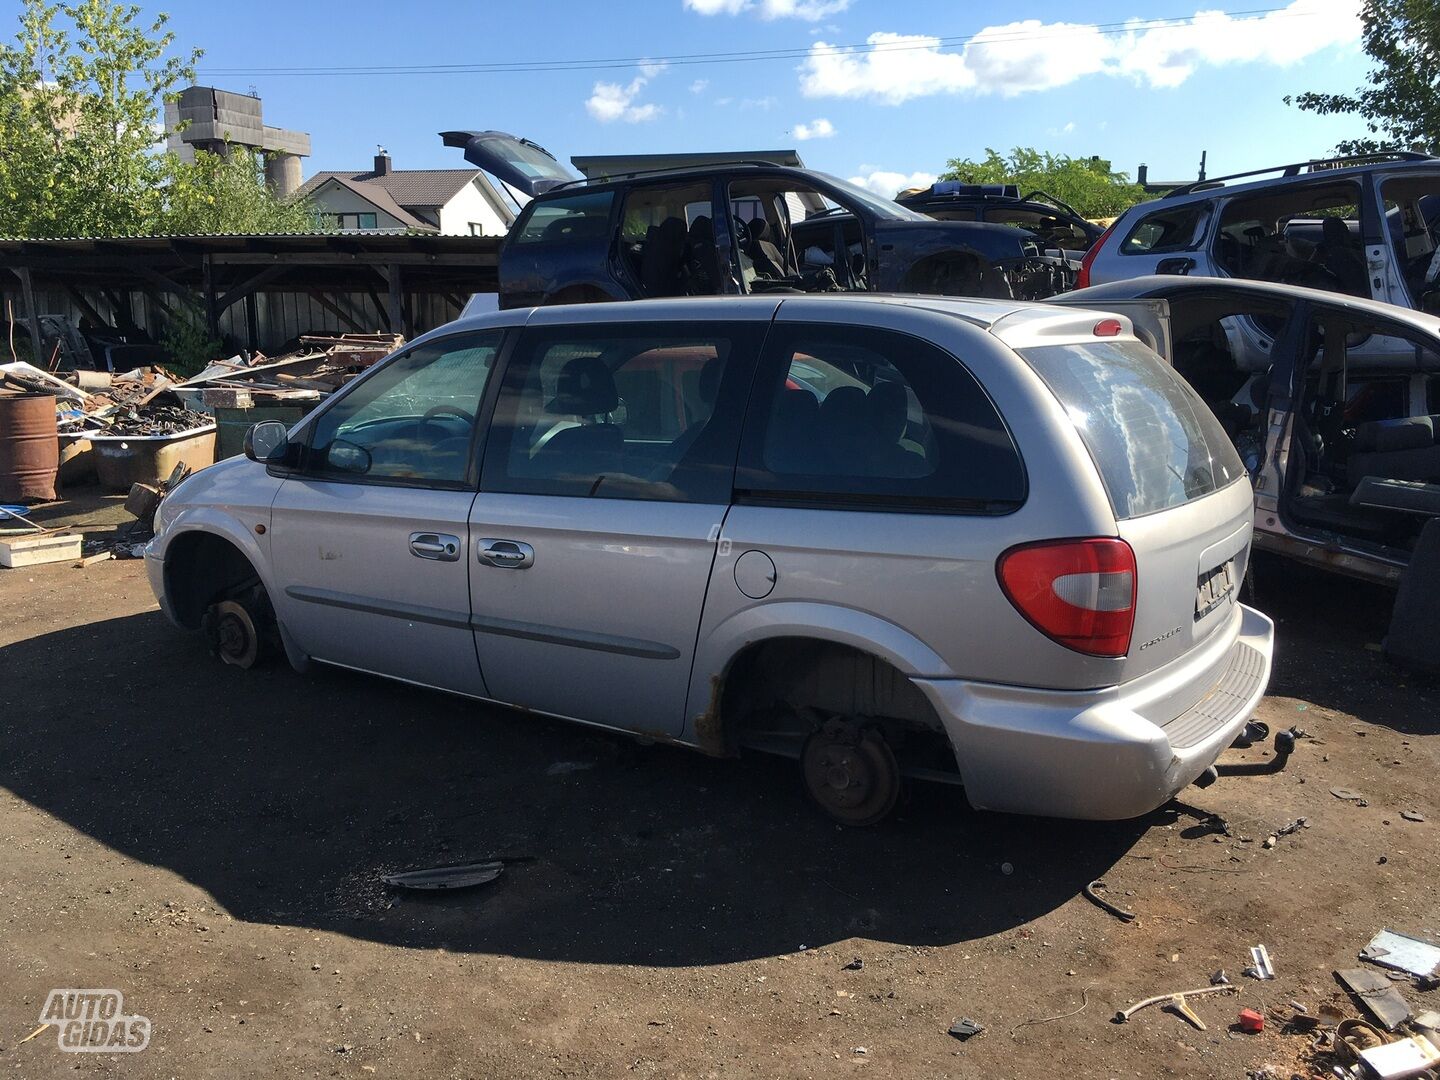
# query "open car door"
(1151, 318)
(520, 163)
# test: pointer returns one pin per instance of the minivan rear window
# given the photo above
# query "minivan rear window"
(1154, 442)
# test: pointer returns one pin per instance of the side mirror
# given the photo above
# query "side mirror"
(265, 442)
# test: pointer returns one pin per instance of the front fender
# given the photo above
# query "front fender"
(721, 644)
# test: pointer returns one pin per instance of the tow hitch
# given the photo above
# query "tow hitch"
(1254, 732)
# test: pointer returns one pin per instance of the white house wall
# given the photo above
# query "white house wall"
(470, 205)
(334, 199)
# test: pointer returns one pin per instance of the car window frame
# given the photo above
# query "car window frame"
(1208, 215)
(733, 394)
(774, 365)
(620, 266)
(534, 206)
(303, 469)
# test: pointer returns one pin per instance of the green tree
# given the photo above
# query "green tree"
(1089, 185)
(1400, 101)
(218, 194)
(81, 132)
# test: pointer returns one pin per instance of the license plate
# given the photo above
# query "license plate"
(1214, 588)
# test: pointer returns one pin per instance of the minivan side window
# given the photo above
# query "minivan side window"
(412, 421)
(856, 416)
(628, 411)
(1165, 231)
(560, 221)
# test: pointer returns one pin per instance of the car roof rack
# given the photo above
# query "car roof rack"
(671, 169)
(1343, 161)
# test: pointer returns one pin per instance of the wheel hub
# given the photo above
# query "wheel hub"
(236, 639)
(851, 773)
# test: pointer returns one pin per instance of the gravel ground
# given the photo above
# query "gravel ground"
(209, 841)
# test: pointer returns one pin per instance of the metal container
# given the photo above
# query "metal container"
(29, 448)
(124, 460)
(233, 423)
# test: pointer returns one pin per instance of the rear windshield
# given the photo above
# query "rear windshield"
(1155, 443)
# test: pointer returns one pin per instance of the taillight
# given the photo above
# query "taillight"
(1108, 328)
(1080, 593)
(1082, 279)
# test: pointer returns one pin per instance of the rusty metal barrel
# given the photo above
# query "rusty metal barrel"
(29, 448)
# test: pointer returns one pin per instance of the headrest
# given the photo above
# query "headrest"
(585, 388)
(844, 407)
(887, 406)
(1388, 436)
(1335, 230)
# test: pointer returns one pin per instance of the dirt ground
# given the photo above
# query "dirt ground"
(208, 841)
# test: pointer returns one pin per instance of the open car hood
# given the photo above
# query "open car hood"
(522, 164)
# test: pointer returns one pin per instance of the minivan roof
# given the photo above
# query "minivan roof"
(1020, 318)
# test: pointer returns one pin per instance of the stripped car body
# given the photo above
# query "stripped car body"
(1056, 224)
(737, 229)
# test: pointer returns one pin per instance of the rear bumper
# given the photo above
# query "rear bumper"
(1103, 754)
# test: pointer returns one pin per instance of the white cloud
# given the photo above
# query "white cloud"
(1029, 56)
(888, 184)
(699, 85)
(609, 102)
(809, 10)
(1167, 56)
(817, 129)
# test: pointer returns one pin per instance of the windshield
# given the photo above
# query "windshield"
(882, 208)
(1154, 442)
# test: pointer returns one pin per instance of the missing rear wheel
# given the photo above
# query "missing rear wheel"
(851, 773)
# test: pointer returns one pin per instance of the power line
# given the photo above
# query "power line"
(750, 56)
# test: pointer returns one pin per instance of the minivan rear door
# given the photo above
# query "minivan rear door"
(1150, 318)
(524, 165)
(1179, 491)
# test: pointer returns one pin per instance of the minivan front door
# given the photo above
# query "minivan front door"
(371, 538)
(606, 482)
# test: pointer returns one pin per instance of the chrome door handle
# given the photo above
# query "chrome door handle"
(506, 554)
(439, 547)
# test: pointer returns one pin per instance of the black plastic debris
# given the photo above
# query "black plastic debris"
(464, 876)
(964, 1028)
(854, 965)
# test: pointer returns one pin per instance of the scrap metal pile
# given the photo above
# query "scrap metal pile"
(151, 401)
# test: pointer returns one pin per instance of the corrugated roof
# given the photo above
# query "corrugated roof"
(411, 188)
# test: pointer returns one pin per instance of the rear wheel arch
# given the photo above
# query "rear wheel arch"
(798, 681)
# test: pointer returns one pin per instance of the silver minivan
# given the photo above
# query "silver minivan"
(982, 542)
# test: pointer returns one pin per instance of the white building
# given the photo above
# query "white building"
(456, 202)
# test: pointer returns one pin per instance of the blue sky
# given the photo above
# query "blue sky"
(1053, 76)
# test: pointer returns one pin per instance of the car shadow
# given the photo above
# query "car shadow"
(1328, 633)
(286, 797)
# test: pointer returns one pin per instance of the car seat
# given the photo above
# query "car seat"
(585, 389)
(663, 258)
(793, 443)
(886, 423)
(1339, 253)
(702, 262)
(763, 251)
